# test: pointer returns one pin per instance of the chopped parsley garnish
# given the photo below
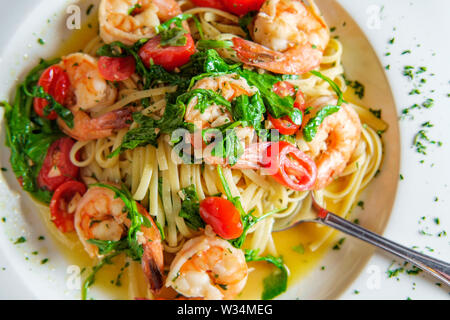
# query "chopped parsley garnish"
(44, 261)
(339, 244)
(41, 41)
(299, 249)
(89, 9)
(376, 112)
(190, 207)
(20, 240)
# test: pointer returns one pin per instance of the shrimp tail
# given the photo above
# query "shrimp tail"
(117, 119)
(297, 60)
(153, 266)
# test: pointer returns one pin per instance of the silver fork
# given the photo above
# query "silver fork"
(437, 268)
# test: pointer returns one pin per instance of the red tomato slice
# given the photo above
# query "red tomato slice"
(57, 167)
(222, 216)
(59, 205)
(285, 125)
(167, 57)
(116, 68)
(290, 166)
(216, 4)
(241, 7)
(55, 81)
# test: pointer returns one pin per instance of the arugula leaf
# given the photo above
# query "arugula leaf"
(226, 142)
(333, 86)
(214, 44)
(245, 21)
(64, 113)
(90, 280)
(29, 136)
(310, 130)
(276, 283)
(277, 106)
(205, 98)
(190, 208)
(149, 129)
(172, 31)
(249, 110)
(177, 21)
(107, 246)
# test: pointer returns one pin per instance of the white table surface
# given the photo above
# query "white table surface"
(421, 26)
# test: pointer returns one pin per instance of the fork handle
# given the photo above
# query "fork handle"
(437, 268)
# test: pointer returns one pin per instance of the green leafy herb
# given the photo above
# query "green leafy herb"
(107, 246)
(89, 9)
(28, 135)
(226, 142)
(20, 240)
(190, 208)
(90, 280)
(299, 249)
(214, 44)
(172, 31)
(205, 98)
(310, 130)
(276, 283)
(277, 106)
(375, 112)
(338, 244)
(246, 20)
(249, 110)
(64, 113)
(332, 84)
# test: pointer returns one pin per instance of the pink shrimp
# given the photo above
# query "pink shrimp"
(100, 216)
(290, 38)
(91, 92)
(336, 140)
(131, 20)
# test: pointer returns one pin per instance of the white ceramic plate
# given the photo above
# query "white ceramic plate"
(49, 281)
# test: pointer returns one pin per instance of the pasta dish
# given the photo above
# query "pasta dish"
(185, 134)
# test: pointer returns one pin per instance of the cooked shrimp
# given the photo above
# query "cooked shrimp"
(290, 38)
(336, 140)
(208, 267)
(230, 86)
(91, 92)
(100, 216)
(119, 22)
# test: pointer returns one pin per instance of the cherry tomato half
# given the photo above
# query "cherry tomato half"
(290, 166)
(57, 167)
(285, 125)
(241, 7)
(216, 4)
(167, 57)
(55, 81)
(59, 205)
(116, 68)
(222, 216)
